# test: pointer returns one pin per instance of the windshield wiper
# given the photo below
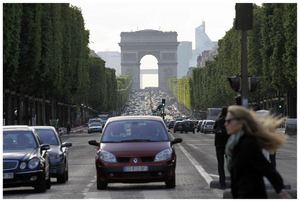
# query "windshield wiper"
(137, 140)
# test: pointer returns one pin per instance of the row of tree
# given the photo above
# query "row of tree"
(272, 56)
(46, 55)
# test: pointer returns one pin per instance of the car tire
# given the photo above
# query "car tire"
(62, 178)
(41, 187)
(174, 131)
(171, 183)
(101, 185)
(181, 131)
(193, 132)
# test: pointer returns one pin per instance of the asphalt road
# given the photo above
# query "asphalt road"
(196, 167)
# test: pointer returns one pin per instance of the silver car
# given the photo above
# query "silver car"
(208, 126)
(95, 127)
(58, 152)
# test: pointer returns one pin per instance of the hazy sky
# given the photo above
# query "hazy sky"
(107, 19)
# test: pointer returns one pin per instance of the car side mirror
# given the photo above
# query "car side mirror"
(66, 144)
(94, 142)
(45, 146)
(176, 140)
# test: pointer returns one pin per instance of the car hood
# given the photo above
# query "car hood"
(54, 149)
(135, 148)
(21, 155)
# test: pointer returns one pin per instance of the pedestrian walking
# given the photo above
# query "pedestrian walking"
(221, 138)
(68, 128)
(245, 161)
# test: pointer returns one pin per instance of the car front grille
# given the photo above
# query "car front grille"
(143, 159)
(10, 164)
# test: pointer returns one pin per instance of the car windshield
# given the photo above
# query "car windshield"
(48, 136)
(18, 140)
(94, 120)
(95, 124)
(210, 123)
(135, 131)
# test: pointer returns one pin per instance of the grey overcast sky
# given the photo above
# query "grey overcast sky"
(107, 19)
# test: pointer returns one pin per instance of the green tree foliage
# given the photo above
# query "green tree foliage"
(272, 56)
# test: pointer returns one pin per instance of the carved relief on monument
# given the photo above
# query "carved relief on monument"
(168, 56)
(129, 57)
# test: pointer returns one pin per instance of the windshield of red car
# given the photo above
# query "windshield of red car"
(135, 131)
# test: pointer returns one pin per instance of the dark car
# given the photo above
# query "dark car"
(208, 126)
(58, 152)
(171, 124)
(26, 161)
(199, 125)
(135, 149)
(187, 126)
(177, 126)
(95, 127)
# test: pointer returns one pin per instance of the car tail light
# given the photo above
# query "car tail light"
(181, 127)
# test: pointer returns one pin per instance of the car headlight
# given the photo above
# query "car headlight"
(107, 157)
(23, 165)
(163, 155)
(33, 163)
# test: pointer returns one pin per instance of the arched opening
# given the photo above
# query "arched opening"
(149, 72)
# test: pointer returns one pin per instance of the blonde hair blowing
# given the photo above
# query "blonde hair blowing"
(262, 127)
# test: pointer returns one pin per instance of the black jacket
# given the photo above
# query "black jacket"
(221, 136)
(248, 168)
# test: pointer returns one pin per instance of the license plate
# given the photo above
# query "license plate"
(135, 168)
(8, 175)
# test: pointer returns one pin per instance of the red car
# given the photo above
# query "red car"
(135, 149)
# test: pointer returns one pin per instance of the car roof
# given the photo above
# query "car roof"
(42, 127)
(16, 127)
(126, 118)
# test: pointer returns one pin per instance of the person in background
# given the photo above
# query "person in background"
(245, 161)
(221, 138)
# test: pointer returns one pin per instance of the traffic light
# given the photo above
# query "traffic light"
(235, 83)
(280, 105)
(253, 83)
(163, 102)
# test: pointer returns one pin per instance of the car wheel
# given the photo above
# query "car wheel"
(193, 132)
(41, 186)
(181, 131)
(174, 131)
(100, 185)
(62, 178)
(171, 183)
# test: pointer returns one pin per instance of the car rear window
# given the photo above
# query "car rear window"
(18, 140)
(140, 130)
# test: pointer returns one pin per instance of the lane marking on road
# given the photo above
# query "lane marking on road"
(92, 182)
(199, 168)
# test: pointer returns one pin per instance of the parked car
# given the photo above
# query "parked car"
(208, 126)
(177, 126)
(171, 124)
(135, 149)
(95, 127)
(199, 125)
(58, 152)
(26, 161)
(187, 126)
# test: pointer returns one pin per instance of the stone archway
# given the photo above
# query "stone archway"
(162, 45)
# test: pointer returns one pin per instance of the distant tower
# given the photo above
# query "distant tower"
(199, 35)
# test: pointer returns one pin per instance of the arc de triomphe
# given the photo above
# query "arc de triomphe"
(162, 45)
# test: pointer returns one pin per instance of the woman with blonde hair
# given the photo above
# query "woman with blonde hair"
(245, 161)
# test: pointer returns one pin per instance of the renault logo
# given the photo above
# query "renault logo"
(135, 160)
